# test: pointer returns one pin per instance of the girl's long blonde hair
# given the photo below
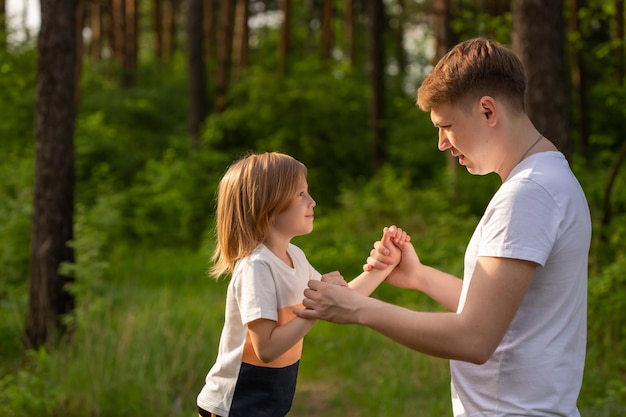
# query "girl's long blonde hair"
(251, 192)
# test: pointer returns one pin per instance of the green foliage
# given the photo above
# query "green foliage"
(16, 177)
(27, 392)
(296, 114)
(17, 95)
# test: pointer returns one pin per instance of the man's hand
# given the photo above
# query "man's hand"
(399, 254)
(329, 302)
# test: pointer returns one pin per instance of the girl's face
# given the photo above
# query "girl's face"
(297, 219)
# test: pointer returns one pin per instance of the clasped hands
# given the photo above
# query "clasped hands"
(332, 300)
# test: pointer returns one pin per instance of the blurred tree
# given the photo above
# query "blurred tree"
(81, 16)
(94, 12)
(224, 52)
(240, 38)
(130, 43)
(284, 42)
(539, 39)
(348, 28)
(495, 9)
(398, 29)
(445, 39)
(579, 79)
(619, 46)
(378, 124)
(165, 28)
(53, 212)
(116, 29)
(210, 32)
(197, 89)
(327, 31)
(157, 19)
(442, 27)
(3, 24)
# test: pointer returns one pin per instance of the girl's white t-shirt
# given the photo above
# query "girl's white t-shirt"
(539, 214)
(262, 286)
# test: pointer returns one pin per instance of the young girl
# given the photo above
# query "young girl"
(262, 203)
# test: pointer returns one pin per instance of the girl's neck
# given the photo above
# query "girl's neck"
(279, 247)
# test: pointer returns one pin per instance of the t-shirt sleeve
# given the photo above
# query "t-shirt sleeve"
(521, 223)
(256, 292)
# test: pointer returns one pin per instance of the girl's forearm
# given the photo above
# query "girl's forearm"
(368, 281)
(278, 339)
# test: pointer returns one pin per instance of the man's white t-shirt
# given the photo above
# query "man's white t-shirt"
(539, 214)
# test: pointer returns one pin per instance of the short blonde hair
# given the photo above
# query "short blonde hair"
(473, 69)
(251, 192)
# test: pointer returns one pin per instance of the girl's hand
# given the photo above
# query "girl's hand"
(334, 278)
(388, 250)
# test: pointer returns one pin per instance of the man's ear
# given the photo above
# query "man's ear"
(488, 109)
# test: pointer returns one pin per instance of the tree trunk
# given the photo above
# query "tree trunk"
(3, 24)
(95, 24)
(618, 51)
(129, 57)
(620, 45)
(210, 32)
(579, 83)
(539, 40)
(197, 92)
(348, 29)
(117, 29)
(285, 29)
(327, 31)
(442, 24)
(224, 53)
(157, 19)
(444, 41)
(169, 27)
(81, 16)
(240, 38)
(377, 83)
(53, 204)
(400, 51)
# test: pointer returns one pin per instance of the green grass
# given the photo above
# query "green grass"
(146, 343)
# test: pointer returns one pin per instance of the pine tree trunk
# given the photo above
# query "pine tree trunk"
(210, 30)
(579, 84)
(445, 40)
(348, 29)
(95, 24)
(283, 44)
(117, 28)
(157, 19)
(377, 83)
(52, 226)
(197, 91)
(225, 45)
(129, 57)
(327, 30)
(539, 40)
(240, 38)
(3, 24)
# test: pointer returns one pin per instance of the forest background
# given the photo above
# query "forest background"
(120, 116)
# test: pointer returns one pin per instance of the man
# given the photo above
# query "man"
(516, 335)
